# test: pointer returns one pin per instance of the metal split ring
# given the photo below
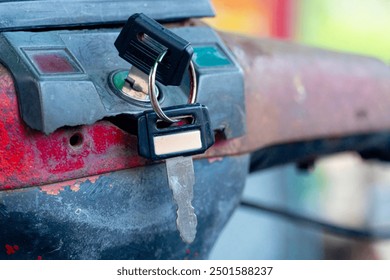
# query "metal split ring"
(152, 94)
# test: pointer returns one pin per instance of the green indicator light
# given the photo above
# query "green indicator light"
(210, 56)
(119, 79)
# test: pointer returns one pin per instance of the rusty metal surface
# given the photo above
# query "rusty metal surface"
(296, 93)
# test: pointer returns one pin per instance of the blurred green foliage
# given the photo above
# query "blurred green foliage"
(359, 26)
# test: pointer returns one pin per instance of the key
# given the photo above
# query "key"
(135, 86)
(142, 40)
(177, 143)
(192, 135)
(181, 180)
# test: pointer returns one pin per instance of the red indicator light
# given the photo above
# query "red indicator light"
(53, 63)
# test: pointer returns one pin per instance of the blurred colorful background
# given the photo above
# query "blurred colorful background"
(342, 189)
(359, 26)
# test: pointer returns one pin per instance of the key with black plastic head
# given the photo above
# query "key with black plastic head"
(177, 143)
(142, 40)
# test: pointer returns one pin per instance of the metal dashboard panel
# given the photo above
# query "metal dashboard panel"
(22, 15)
(79, 92)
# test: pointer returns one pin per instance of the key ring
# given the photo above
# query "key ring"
(151, 88)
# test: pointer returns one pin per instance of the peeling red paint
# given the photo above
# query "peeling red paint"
(10, 250)
(31, 158)
(74, 185)
(53, 189)
(93, 179)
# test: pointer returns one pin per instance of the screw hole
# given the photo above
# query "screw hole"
(76, 140)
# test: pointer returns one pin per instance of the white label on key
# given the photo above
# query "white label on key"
(177, 143)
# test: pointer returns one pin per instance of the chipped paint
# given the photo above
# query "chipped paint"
(31, 158)
(215, 159)
(53, 189)
(74, 185)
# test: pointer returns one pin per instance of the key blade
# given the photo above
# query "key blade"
(181, 181)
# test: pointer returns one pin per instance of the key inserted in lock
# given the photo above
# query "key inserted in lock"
(173, 133)
(132, 85)
(141, 42)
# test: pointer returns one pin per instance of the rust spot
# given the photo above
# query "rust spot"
(74, 185)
